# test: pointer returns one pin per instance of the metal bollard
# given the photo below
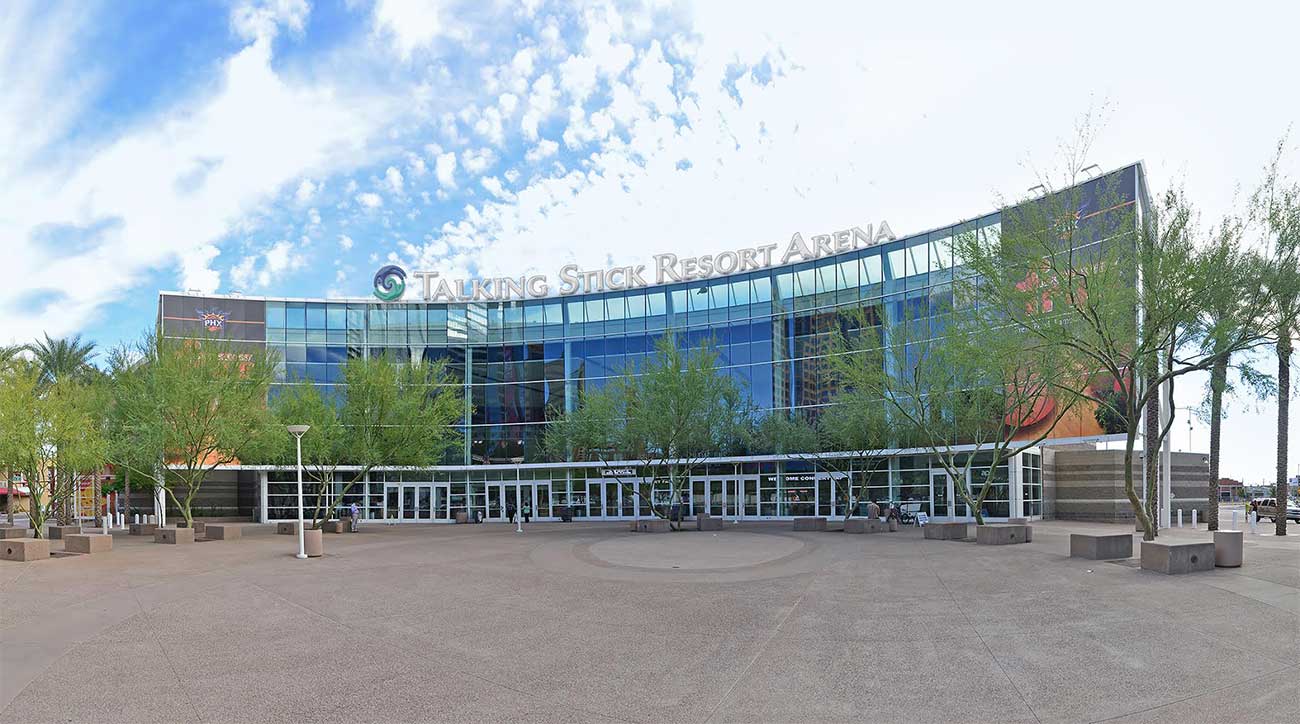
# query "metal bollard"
(1180, 517)
(1193, 517)
(1254, 519)
(1234, 519)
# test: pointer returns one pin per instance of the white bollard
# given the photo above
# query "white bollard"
(107, 525)
(137, 519)
(1234, 519)
(1254, 518)
(1193, 517)
(1180, 517)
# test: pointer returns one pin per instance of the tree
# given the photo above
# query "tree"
(1076, 270)
(677, 411)
(189, 409)
(1276, 207)
(971, 390)
(1223, 314)
(389, 413)
(48, 434)
(63, 358)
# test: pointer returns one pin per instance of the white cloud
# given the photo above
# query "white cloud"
(445, 169)
(345, 242)
(544, 149)
(494, 187)
(256, 19)
(541, 103)
(522, 63)
(370, 200)
(305, 191)
(196, 269)
(415, 166)
(262, 269)
(410, 24)
(393, 180)
(313, 217)
(477, 161)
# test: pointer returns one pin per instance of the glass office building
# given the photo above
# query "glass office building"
(523, 361)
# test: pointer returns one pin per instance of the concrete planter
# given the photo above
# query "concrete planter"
(810, 524)
(26, 549)
(289, 528)
(864, 525)
(174, 536)
(893, 525)
(1029, 529)
(1175, 558)
(314, 542)
(143, 528)
(88, 543)
(708, 522)
(998, 534)
(225, 531)
(11, 532)
(199, 527)
(335, 526)
(945, 531)
(1228, 548)
(1101, 547)
(57, 532)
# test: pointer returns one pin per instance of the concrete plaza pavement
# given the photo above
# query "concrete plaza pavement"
(589, 622)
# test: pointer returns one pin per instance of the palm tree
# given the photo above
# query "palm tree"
(1278, 205)
(65, 358)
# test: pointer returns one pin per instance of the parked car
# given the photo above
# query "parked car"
(1267, 509)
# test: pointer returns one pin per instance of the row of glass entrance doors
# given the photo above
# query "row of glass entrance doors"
(723, 497)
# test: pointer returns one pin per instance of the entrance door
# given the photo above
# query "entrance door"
(940, 494)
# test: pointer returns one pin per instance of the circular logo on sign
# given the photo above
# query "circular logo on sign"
(390, 282)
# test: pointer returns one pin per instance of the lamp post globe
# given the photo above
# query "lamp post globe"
(298, 431)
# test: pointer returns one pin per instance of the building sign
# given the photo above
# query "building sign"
(390, 281)
(617, 472)
(213, 320)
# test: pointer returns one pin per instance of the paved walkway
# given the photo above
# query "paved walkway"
(588, 622)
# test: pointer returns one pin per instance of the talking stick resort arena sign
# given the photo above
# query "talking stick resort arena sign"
(391, 280)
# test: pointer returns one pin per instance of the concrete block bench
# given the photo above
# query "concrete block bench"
(286, 528)
(57, 532)
(708, 522)
(199, 527)
(25, 549)
(173, 536)
(810, 524)
(1101, 547)
(1173, 558)
(88, 543)
(143, 528)
(335, 526)
(225, 531)
(9, 532)
(1029, 529)
(999, 534)
(1228, 548)
(945, 531)
(650, 525)
(863, 525)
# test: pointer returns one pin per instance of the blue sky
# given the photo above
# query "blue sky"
(290, 147)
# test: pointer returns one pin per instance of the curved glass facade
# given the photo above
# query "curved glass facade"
(524, 362)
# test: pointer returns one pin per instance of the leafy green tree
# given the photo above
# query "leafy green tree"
(389, 413)
(190, 408)
(1123, 297)
(64, 358)
(669, 417)
(48, 433)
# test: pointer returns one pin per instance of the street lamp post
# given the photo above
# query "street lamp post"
(298, 431)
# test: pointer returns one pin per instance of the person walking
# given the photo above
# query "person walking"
(354, 516)
(527, 511)
(510, 512)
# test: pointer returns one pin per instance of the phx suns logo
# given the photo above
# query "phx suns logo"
(213, 320)
(390, 282)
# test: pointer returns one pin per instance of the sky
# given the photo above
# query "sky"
(290, 147)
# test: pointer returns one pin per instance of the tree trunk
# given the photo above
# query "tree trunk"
(1218, 377)
(96, 496)
(1283, 412)
(9, 496)
(1151, 477)
(126, 490)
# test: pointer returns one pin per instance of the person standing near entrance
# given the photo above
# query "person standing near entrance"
(510, 512)
(527, 511)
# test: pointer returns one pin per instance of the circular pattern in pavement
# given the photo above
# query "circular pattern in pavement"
(694, 551)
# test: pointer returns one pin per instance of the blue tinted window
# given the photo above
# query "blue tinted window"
(275, 314)
(295, 315)
(316, 354)
(315, 316)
